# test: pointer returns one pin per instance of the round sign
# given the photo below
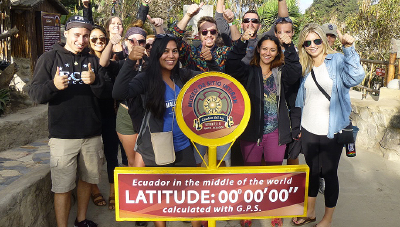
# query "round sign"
(213, 109)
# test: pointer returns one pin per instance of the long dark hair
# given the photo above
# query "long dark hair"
(278, 61)
(155, 100)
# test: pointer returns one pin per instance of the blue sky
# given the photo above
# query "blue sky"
(304, 4)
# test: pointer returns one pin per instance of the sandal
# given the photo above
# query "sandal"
(276, 222)
(98, 200)
(305, 220)
(111, 203)
(245, 223)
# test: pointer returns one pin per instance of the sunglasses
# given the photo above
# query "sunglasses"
(282, 19)
(247, 20)
(308, 43)
(140, 41)
(94, 39)
(212, 31)
(161, 36)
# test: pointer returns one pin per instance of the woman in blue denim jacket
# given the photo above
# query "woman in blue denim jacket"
(323, 118)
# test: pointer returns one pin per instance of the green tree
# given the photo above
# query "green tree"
(323, 10)
(374, 26)
(268, 11)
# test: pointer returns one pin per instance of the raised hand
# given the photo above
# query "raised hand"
(61, 82)
(248, 34)
(137, 52)
(194, 9)
(88, 77)
(285, 39)
(85, 3)
(205, 52)
(157, 22)
(346, 39)
(115, 39)
(228, 15)
(146, 1)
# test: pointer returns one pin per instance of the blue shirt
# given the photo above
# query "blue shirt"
(346, 71)
(180, 140)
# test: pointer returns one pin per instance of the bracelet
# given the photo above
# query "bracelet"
(230, 24)
(145, 4)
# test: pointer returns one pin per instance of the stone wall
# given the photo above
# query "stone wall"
(23, 127)
(378, 121)
(30, 203)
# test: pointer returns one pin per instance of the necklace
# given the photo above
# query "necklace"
(266, 75)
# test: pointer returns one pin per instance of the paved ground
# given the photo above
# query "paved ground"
(369, 189)
(369, 196)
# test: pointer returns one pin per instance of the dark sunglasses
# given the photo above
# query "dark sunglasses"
(282, 19)
(161, 36)
(148, 45)
(317, 42)
(247, 20)
(140, 41)
(212, 31)
(94, 39)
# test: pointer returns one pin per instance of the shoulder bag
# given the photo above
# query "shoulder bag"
(346, 135)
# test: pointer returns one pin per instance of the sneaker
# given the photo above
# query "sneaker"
(321, 185)
(141, 223)
(84, 223)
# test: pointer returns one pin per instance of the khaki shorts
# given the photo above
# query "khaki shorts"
(124, 122)
(69, 156)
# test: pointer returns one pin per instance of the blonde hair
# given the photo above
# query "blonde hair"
(306, 60)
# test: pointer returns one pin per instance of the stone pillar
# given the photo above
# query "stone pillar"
(391, 70)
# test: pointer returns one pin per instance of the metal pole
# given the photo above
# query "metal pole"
(212, 164)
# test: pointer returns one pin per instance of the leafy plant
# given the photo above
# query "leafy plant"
(4, 99)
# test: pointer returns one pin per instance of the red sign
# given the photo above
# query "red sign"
(213, 107)
(380, 72)
(211, 195)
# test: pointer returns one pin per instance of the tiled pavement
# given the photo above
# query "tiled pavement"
(14, 163)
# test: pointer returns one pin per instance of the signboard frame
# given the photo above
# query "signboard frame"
(199, 170)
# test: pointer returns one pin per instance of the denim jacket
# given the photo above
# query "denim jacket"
(345, 71)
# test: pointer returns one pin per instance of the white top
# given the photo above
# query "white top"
(315, 117)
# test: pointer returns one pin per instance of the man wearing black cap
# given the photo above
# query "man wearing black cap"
(66, 78)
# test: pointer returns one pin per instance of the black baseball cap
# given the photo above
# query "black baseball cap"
(77, 22)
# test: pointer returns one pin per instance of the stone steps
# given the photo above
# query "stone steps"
(25, 183)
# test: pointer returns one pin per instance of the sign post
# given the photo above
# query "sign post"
(212, 109)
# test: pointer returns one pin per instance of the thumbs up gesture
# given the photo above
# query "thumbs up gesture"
(61, 82)
(194, 9)
(137, 51)
(88, 77)
(228, 15)
(157, 22)
(205, 52)
(346, 39)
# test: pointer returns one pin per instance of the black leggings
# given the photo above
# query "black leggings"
(322, 156)
(111, 142)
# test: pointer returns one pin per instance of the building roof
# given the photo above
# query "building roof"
(29, 4)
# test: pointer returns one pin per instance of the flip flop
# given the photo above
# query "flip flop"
(98, 199)
(305, 221)
(111, 203)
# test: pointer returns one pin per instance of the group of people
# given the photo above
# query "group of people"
(102, 83)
